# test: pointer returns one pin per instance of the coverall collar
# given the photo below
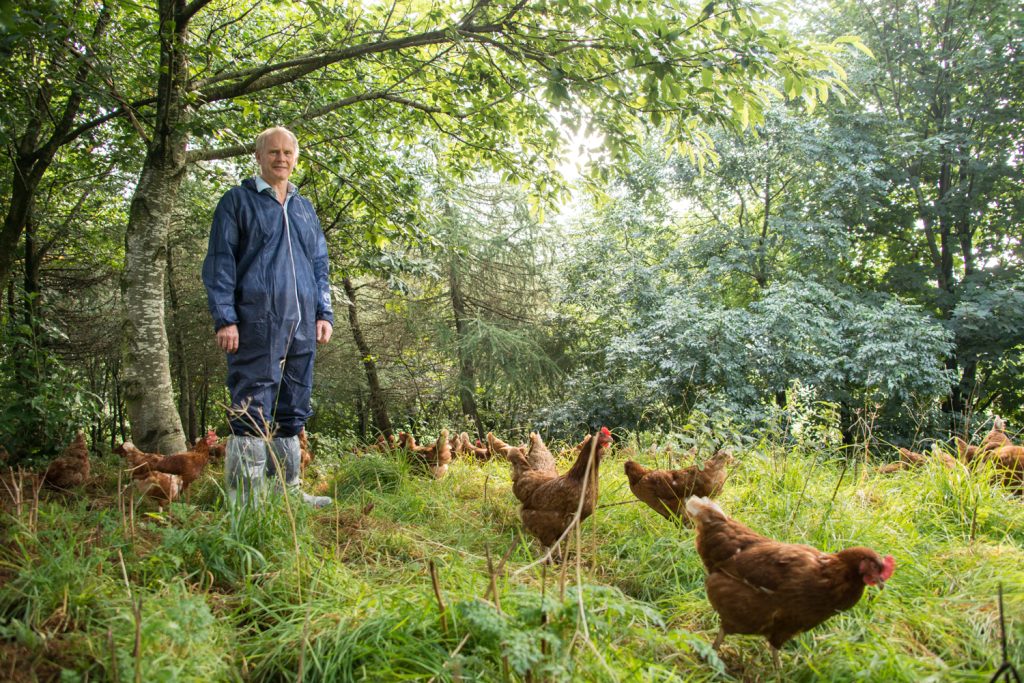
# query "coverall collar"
(262, 186)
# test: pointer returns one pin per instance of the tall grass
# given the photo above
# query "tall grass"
(209, 592)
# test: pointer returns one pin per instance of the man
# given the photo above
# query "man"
(266, 277)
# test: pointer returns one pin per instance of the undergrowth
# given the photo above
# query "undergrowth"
(97, 586)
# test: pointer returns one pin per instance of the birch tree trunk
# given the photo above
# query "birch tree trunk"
(148, 391)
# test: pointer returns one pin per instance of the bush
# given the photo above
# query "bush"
(42, 401)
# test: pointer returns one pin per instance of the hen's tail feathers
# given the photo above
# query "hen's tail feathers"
(702, 509)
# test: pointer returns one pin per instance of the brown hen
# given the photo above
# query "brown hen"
(305, 454)
(71, 468)
(160, 486)
(666, 491)
(777, 590)
(435, 457)
(551, 501)
(910, 459)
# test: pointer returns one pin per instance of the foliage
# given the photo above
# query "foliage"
(990, 318)
(726, 306)
(941, 105)
(43, 402)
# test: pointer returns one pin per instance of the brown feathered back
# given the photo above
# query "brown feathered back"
(666, 491)
(71, 468)
(140, 464)
(538, 456)
(762, 587)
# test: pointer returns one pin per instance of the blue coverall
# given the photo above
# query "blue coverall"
(266, 270)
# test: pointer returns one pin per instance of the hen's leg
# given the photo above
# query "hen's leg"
(718, 639)
(775, 658)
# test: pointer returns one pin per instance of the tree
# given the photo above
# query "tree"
(944, 96)
(725, 307)
(778, 202)
(474, 79)
(378, 405)
(492, 252)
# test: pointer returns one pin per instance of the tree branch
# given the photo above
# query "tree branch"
(71, 107)
(271, 75)
(186, 14)
(249, 147)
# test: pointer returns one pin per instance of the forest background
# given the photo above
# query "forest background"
(549, 215)
(793, 230)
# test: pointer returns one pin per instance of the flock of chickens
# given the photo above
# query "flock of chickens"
(995, 447)
(758, 586)
(162, 478)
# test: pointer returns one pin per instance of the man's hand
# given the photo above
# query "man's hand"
(227, 338)
(323, 331)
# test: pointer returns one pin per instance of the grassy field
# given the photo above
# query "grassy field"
(95, 586)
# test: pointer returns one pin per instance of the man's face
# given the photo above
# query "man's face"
(277, 158)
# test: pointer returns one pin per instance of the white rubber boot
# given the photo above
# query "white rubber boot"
(245, 468)
(289, 457)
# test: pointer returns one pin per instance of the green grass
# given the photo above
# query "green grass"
(208, 593)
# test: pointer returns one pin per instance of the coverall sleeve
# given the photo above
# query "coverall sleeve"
(221, 264)
(321, 271)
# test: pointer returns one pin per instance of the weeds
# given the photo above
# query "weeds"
(394, 581)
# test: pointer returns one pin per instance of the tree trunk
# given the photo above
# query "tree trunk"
(186, 410)
(361, 417)
(31, 281)
(467, 371)
(148, 391)
(10, 300)
(378, 407)
(23, 189)
(945, 277)
(118, 430)
(848, 423)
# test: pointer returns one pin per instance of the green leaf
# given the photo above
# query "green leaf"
(855, 42)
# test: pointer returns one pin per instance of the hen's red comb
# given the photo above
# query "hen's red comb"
(605, 432)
